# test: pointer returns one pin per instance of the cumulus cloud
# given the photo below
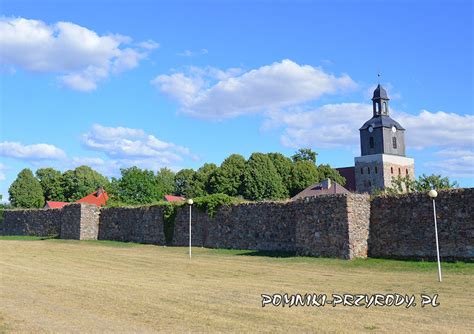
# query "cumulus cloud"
(134, 145)
(80, 56)
(34, 152)
(455, 163)
(272, 87)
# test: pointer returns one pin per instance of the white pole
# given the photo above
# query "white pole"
(190, 231)
(437, 243)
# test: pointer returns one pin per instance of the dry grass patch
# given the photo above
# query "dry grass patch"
(71, 286)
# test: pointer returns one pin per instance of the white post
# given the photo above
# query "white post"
(437, 243)
(190, 203)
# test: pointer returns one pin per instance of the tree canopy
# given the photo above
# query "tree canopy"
(81, 181)
(26, 191)
(50, 180)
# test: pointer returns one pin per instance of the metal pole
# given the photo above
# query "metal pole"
(437, 243)
(190, 231)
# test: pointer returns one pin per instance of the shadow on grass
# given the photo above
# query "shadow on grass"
(276, 254)
(27, 237)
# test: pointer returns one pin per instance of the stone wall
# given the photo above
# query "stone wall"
(334, 227)
(31, 222)
(344, 226)
(140, 224)
(403, 227)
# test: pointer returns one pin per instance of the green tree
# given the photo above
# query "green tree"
(184, 181)
(303, 174)
(227, 179)
(26, 191)
(428, 182)
(81, 182)
(201, 182)
(165, 178)
(137, 186)
(326, 172)
(261, 180)
(304, 154)
(283, 166)
(50, 180)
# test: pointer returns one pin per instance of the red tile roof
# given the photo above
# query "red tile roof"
(55, 205)
(98, 197)
(349, 174)
(323, 188)
(171, 198)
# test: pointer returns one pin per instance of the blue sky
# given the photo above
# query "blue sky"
(119, 83)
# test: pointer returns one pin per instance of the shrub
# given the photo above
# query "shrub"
(211, 203)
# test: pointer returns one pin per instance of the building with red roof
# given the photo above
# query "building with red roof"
(98, 197)
(172, 198)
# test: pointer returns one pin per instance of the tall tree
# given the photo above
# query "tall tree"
(26, 191)
(184, 180)
(428, 182)
(50, 180)
(261, 180)
(303, 174)
(137, 186)
(81, 182)
(305, 154)
(165, 178)
(327, 172)
(283, 166)
(201, 184)
(227, 179)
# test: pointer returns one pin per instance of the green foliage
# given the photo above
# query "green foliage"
(165, 178)
(169, 215)
(184, 181)
(303, 174)
(283, 166)
(424, 183)
(50, 180)
(304, 154)
(211, 203)
(82, 181)
(26, 191)
(137, 186)
(326, 172)
(227, 179)
(201, 181)
(261, 180)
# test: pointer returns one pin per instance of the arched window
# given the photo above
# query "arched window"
(362, 170)
(385, 110)
(407, 171)
(370, 184)
(371, 142)
(375, 169)
(394, 142)
(399, 171)
(391, 170)
(368, 170)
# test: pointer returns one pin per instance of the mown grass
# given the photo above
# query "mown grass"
(57, 285)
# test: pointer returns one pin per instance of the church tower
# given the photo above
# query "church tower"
(382, 142)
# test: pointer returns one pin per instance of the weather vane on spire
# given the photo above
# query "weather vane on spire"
(378, 76)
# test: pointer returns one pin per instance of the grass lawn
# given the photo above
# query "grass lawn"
(100, 286)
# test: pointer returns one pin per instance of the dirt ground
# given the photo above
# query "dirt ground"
(84, 287)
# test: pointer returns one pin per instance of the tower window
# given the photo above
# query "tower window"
(371, 142)
(362, 170)
(399, 171)
(385, 109)
(394, 142)
(368, 170)
(375, 169)
(377, 107)
(391, 170)
(370, 184)
(407, 171)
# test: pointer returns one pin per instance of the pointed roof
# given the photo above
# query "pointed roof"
(55, 205)
(380, 93)
(327, 187)
(171, 198)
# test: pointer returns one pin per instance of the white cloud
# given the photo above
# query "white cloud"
(189, 53)
(128, 145)
(456, 163)
(272, 87)
(80, 56)
(439, 129)
(149, 45)
(33, 152)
